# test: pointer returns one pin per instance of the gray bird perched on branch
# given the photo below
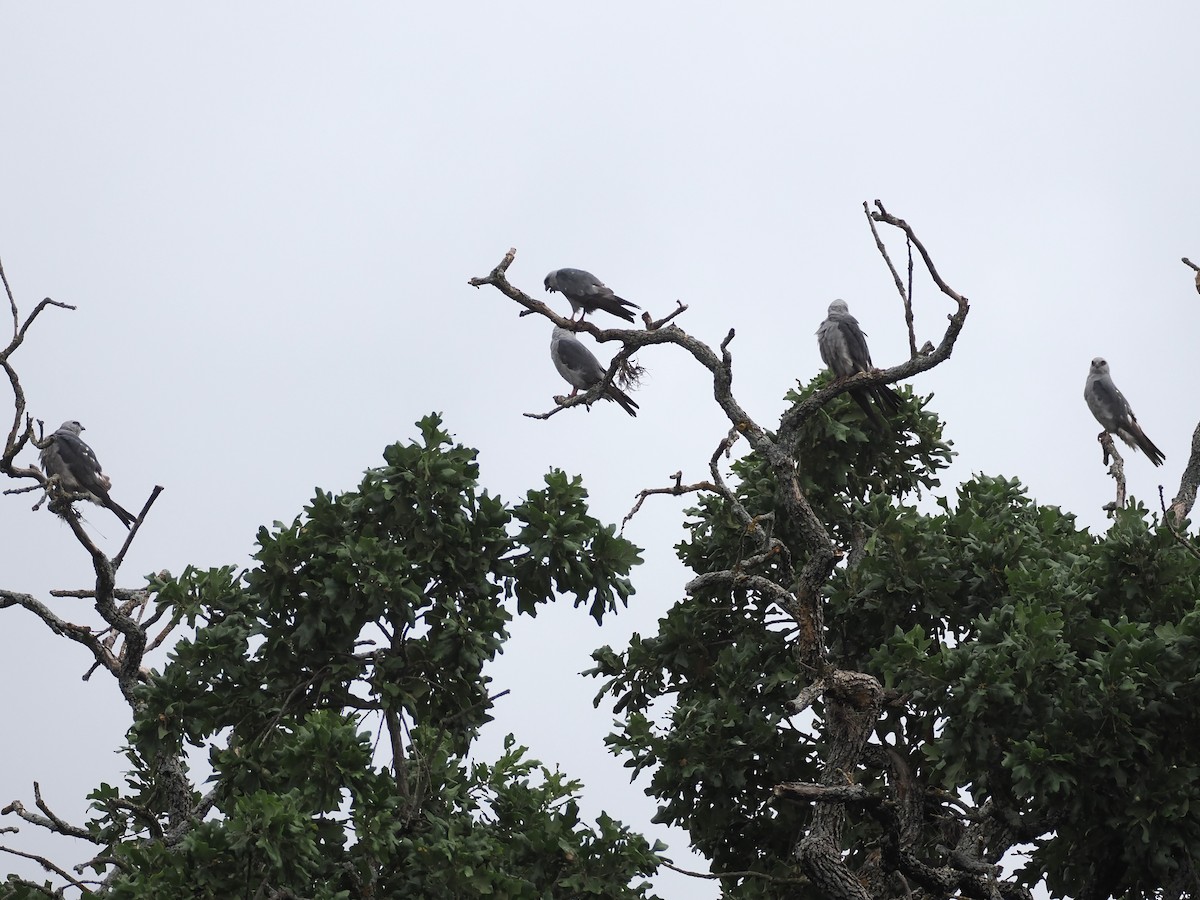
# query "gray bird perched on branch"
(844, 348)
(1112, 411)
(588, 293)
(582, 370)
(78, 470)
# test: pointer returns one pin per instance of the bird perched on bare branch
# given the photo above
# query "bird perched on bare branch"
(843, 347)
(588, 293)
(1112, 411)
(78, 471)
(580, 368)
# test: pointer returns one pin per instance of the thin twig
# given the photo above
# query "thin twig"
(49, 867)
(59, 825)
(120, 557)
(674, 490)
(904, 295)
(748, 873)
(908, 306)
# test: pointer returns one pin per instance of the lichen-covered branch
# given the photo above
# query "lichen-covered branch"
(1116, 470)
(1185, 498)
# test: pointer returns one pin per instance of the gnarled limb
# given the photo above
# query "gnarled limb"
(852, 701)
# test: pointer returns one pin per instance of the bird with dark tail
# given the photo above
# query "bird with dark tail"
(78, 470)
(588, 293)
(843, 347)
(580, 368)
(1112, 411)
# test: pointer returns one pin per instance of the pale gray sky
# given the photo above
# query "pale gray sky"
(267, 215)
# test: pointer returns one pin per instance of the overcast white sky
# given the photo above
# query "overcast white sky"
(267, 215)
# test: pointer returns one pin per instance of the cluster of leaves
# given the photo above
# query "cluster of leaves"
(1068, 686)
(1047, 672)
(369, 621)
(725, 660)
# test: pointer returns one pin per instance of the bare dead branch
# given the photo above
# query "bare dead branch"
(12, 302)
(882, 215)
(120, 557)
(49, 867)
(78, 633)
(912, 341)
(1116, 470)
(1185, 499)
(653, 324)
(749, 873)
(497, 274)
(806, 697)
(59, 825)
(50, 822)
(673, 490)
(905, 295)
(806, 792)
(24, 490)
(86, 594)
(716, 486)
(17, 436)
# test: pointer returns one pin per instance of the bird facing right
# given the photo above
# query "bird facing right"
(78, 470)
(1112, 411)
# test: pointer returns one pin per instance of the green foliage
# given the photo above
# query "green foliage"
(1073, 698)
(725, 659)
(370, 621)
(1042, 668)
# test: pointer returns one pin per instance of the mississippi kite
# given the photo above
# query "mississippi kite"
(588, 293)
(78, 470)
(844, 348)
(580, 368)
(1111, 410)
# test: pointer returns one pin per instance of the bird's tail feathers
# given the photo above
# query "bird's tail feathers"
(618, 307)
(1136, 438)
(1155, 455)
(127, 518)
(861, 397)
(888, 398)
(619, 396)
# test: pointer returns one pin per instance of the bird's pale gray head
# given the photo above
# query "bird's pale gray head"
(551, 282)
(839, 308)
(71, 425)
(1099, 366)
